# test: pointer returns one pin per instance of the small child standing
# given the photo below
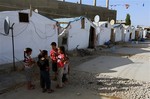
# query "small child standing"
(28, 65)
(60, 65)
(43, 64)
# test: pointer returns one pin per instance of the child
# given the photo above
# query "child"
(53, 56)
(60, 65)
(28, 64)
(43, 64)
(66, 70)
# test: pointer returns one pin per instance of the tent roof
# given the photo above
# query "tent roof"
(117, 25)
(64, 22)
(68, 20)
(25, 11)
(102, 22)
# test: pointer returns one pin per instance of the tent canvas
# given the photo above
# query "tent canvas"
(78, 32)
(103, 32)
(118, 30)
(38, 33)
(144, 34)
(127, 33)
(133, 32)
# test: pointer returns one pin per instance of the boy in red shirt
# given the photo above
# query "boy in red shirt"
(53, 56)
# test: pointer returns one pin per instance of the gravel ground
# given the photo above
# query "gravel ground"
(110, 86)
(120, 88)
(106, 85)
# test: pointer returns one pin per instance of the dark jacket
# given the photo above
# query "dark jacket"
(43, 64)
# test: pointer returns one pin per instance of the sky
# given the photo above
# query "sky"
(139, 10)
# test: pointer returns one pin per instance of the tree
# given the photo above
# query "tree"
(128, 20)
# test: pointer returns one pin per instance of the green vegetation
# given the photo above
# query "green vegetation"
(128, 20)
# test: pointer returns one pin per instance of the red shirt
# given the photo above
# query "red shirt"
(53, 55)
(60, 60)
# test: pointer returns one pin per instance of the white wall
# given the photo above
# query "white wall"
(37, 34)
(133, 33)
(140, 33)
(127, 32)
(78, 36)
(104, 34)
(118, 34)
(144, 33)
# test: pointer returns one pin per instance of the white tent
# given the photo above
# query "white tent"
(103, 32)
(119, 31)
(133, 33)
(139, 33)
(144, 33)
(127, 33)
(38, 33)
(79, 31)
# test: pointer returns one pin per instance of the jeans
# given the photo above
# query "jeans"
(45, 79)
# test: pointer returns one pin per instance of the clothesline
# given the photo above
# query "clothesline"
(126, 5)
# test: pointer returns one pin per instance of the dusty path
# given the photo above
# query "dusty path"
(124, 73)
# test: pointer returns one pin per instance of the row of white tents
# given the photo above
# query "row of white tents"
(87, 34)
(38, 33)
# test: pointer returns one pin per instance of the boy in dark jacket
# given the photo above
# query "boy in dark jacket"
(43, 64)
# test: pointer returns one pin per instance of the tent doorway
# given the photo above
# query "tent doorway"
(130, 37)
(63, 40)
(112, 37)
(136, 35)
(92, 38)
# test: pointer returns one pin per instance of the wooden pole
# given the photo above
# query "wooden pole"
(107, 4)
